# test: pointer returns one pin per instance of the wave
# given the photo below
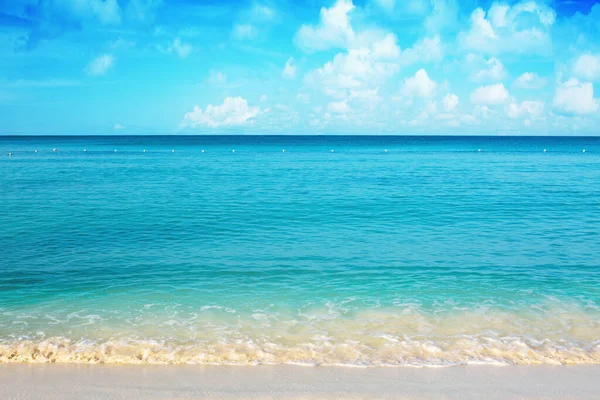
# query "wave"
(555, 333)
(385, 352)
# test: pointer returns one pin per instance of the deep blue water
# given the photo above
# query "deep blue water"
(351, 250)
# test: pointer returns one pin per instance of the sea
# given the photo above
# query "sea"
(363, 251)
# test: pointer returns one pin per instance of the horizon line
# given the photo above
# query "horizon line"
(294, 135)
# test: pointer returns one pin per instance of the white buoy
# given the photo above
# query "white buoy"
(35, 151)
(233, 151)
(84, 150)
(478, 149)
(544, 150)
(385, 150)
(54, 149)
(172, 151)
(584, 150)
(332, 151)
(203, 150)
(144, 150)
(115, 150)
(10, 154)
(283, 151)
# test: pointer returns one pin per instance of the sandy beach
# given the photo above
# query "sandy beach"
(96, 382)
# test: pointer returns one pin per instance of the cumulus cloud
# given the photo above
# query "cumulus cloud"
(358, 69)
(289, 70)
(50, 19)
(419, 85)
(527, 109)
(178, 47)
(217, 77)
(443, 16)
(574, 97)
(521, 28)
(366, 97)
(333, 29)
(234, 111)
(261, 12)
(428, 49)
(340, 107)
(386, 47)
(143, 11)
(100, 65)
(450, 102)
(244, 31)
(529, 80)
(303, 97)
(489, 95)
(587, 67)
(182, 49)
(372, 56)
(486, 70)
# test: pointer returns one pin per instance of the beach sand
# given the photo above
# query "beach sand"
(128, 382)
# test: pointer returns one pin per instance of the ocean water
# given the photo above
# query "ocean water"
(399, 251)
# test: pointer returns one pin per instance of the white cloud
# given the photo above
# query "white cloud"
(450, 102)
(303, 97)
(419, 85)
(178, 47)
(521, 28)
(143, 10)
(100, 65)
(357, 69)
(482, 111)
(529, 80)
(121, 43)
(387, 5)
(333, 30)
(340, 107)
(182, 49)
(587, 67)
(233, 112)
(431, 107)
(264, 98)
(217, 77)
(371, 58)
(490, 69)
(289, 71)
(428, 49)
(386, 48)
(244, 31)
(106, 12)
(444, 15)
(262, 12)
(527, 109)
(118, 127)
(365, 96)
(490, 95)
(573, 97)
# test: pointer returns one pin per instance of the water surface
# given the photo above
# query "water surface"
(338, 250)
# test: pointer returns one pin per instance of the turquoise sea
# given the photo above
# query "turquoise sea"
(401, 251)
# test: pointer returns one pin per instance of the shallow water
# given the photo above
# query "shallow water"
(437, 251)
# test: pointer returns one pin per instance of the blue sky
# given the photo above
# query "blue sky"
(299, 67)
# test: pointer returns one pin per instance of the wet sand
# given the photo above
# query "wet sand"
(130, 382)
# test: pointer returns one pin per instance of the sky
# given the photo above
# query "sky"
(442, 67)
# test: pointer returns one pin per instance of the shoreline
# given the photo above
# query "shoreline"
(133, 382)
